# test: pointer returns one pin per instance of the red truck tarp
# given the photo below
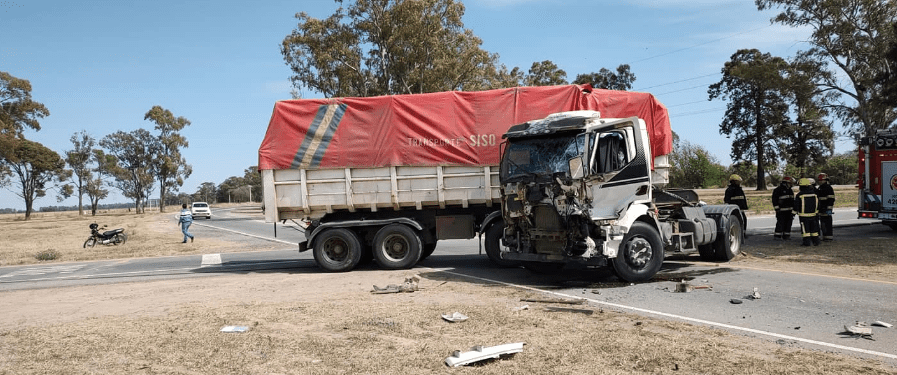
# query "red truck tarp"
(442, 128)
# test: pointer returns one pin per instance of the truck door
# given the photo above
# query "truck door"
(619, 173)
(889, 187)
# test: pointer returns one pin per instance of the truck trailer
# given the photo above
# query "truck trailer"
(878, 178)
(582, 190)
(387, 177)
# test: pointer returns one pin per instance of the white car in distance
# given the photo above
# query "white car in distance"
(201, 209)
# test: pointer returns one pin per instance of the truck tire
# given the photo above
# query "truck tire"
(493, 246)
(427, 251)
(396, 246)
(337, 250)
(728, 245)
(640, 255)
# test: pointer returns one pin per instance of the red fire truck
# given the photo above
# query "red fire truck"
(878, 178)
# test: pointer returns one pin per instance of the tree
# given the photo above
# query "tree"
(752, 83)
(545, 73)
(229, 186)
(207, 192)
(380, 47)
(888, 78)
(33, 166)
(133, 168)
(96, 187)
(79, 160)
(170, 167)
(693, 166)
(808, 139)
(17, 110)
(253, 180)
(852, 35)
(605, 79)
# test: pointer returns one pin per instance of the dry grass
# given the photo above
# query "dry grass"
(761, 201)
(347, 330)
(63, 234)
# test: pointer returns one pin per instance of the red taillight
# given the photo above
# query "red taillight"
(868, 215)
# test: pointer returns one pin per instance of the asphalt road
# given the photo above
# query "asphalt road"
(794, 309)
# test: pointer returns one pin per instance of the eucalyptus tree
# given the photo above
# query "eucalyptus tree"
(31, 167)
(171, 167)
(605, 79)
(134, 166)
(79, 160)
(381, 47)
(752, 83)
(851, 35)
(545, 73)
(17, 110)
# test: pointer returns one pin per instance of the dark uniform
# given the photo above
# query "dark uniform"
(783, 203)
(735, 195)
(826, 195)
(806, 206)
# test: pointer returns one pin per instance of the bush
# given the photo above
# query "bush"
(48, 254)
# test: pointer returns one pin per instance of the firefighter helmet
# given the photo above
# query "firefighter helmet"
(805, 182)
(735, 177)
(788, 179)
(822, 177)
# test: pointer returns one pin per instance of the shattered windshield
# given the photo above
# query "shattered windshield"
(540, 157)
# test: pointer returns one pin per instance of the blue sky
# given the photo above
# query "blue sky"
(101, 65)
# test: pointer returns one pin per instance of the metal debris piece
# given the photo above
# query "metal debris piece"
(858, 330)
(755, 294)
(237, 329)
(735, 301)
(880, 323)
(455, 317)
(567, 309)
(479, 353)
(410, 285)
(684, 287)
(564, 301)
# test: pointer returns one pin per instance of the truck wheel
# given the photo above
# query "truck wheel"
(396, 246)
(728, 245)
(428, 250)
(493, 246)
(640, 255)
(337, 250)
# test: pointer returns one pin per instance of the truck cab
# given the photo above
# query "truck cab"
(581, 190)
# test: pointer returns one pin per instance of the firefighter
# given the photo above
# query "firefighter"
(783, 203)
(826, 205)
(806, 206)
(735, 195)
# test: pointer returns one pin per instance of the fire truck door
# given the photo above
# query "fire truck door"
(889, 186)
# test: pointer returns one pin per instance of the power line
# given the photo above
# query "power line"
(703, 111)
(685, 89)
(673, 83)
(700, 44)
(679, 105)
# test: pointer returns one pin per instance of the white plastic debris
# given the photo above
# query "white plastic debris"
(455, 317)
(882, 324)
(479, 353)
(755, 294)
(521, 308)
(237, 329)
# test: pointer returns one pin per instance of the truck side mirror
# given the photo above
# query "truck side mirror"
(576, 171)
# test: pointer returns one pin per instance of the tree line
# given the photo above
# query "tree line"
(133, 162)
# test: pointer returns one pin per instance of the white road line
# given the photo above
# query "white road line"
(210, 260)
(679, 317)
(245, 234)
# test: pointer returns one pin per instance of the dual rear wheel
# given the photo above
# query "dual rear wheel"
(395, 246)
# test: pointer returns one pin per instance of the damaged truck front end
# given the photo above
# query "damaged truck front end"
(580, 190)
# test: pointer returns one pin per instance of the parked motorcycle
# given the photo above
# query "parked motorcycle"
(109, 237)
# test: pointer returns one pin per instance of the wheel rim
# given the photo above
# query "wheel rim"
(336, 249)
(395, 247)
(638, 252)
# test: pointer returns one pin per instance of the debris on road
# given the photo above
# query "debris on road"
(237, 329)
(455, 317)
(567, 309)
(684, 287)
(564, 301)
(410, 285)
(735, 301)
(860, 329)
(479, 353)
(755, 294)
(880, 323)
(521, 308)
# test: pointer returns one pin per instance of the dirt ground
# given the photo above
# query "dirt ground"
(303, 322)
